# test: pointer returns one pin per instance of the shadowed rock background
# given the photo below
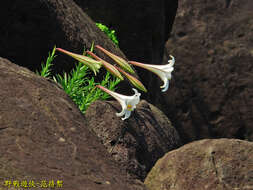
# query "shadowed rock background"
(210, 94)
(30, 29)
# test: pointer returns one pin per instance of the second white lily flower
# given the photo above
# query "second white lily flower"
(163, 71)
(128, 103)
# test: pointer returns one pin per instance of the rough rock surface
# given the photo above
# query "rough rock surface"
(211, 92)
(43, 136)
(30, 29)
(221, 164)
(143, 138)
(142, 26)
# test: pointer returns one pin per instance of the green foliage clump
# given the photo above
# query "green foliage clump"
(46, 68)
(81, 88)
(110, 33)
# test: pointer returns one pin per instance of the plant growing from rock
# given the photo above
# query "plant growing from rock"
(81, 89)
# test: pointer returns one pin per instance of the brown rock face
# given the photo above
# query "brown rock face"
(43, 136)
(29, 30)
(222, 164)
(142, 27)
(143, 138)
(211, 94)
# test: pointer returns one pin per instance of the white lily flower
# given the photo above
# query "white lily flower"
(163, 71)
(128, 103)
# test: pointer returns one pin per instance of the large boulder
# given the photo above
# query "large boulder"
(220, 164)
(44, 137)
(136, 143)
(30, 29)
(211, 92)
(142, 27)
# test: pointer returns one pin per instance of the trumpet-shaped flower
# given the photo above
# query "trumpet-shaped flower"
(128, 103)
(133, 80)
(91, 63)
(122, 63)
(163, 71)
(110, 68)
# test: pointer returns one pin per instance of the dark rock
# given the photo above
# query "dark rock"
(137, 142)
(211, 94)
(222, 164)
(30, 29)
(43, 136)
(142, 27)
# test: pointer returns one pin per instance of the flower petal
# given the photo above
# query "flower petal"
(165, 86)
(135, 99)
(121, 113)
(172, 61)
(127, 115)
